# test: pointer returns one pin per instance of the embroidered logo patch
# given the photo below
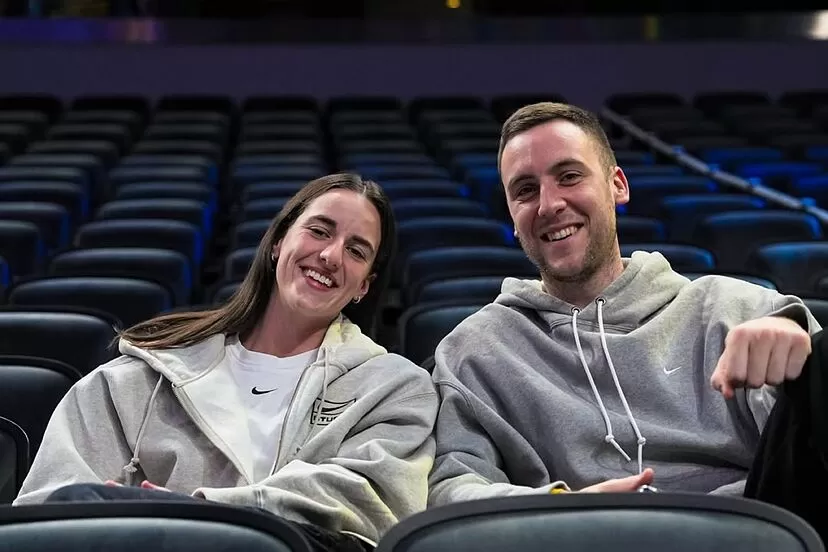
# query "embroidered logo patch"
(325, 413)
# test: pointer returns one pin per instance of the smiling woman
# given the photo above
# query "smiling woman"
(265, 401)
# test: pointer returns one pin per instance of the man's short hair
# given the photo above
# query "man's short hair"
(530, 116)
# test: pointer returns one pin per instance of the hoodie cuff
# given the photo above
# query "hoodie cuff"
(558, 487)
(230, 495)
(795, 312)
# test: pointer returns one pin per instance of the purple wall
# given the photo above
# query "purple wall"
(584, 73)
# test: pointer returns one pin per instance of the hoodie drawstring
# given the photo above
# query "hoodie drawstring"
(132, 467)
(610, 438)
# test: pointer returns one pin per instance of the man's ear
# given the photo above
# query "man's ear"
(620, 187)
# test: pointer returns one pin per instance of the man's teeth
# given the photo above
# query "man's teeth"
(319, 278)
(561, 234)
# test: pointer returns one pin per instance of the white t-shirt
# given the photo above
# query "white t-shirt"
(265, 384)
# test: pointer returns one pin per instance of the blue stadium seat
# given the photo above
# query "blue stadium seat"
(440, 263)
(14, 459)
(30, 389)
(192, 211)
(51, 219)
(732, 237)
(423, 326)
(405, 209)
(632, 229)
(173, 235)
(192, 191)
(815, 187)
(22, 247)
(249, 233)
(170, 268)
(129, 300)
(796, 267)
(81, 338)
(480, 289)
(429, 233)
(683, 212)
(681, 257)
(282, 190)
(432, 189)
(647, 192)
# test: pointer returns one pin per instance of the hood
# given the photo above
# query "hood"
(646, 286)
(344, 346)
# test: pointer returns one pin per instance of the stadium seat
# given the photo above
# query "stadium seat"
(173, 235)
(30, 389)
(14, 459)
(249, 233)
(796, 267)
(611, 521)
(162, 526)
(423, 326)
(632, 229)
(819, 308)
(681, 257)
(732, 237)
(440, 263)
(81, 338)
(52, 220)
(129, 300)
(407, 209)
(481, 289)
(70, 196)
(428, 233)
(21, 246)
(683, 212)
(190, 211)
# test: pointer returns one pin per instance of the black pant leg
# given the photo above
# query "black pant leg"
(790, 468)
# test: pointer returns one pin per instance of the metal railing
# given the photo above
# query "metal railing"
(728, 180)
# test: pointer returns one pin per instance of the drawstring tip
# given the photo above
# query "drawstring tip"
(132, 467)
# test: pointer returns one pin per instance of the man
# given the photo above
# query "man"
(609, 373)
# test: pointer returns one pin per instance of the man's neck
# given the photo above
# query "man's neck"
(582, 293)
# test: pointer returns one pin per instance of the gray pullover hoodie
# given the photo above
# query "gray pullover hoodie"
(537, 394)
(356, 445)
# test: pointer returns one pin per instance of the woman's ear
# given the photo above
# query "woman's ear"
(366, 285)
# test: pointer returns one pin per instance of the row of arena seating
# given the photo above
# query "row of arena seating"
(113, 210)
(618, 521)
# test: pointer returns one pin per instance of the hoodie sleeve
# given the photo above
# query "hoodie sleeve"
(758, 403)
(378, 477)
(469, 463)
(83, 442)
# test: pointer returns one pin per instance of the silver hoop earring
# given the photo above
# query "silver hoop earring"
(515, 232)
(272, 258)
(357, 299)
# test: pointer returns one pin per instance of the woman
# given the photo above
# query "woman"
(276, 400)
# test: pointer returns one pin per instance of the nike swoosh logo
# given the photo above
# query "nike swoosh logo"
(257, 391)
(668, 372)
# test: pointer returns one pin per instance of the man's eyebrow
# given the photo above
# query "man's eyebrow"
(555, 167)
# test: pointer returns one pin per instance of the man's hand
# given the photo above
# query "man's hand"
(767, 350)
(623, 485)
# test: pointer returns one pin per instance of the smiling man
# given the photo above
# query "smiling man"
(609, 373)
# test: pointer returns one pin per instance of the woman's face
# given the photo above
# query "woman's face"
(324, 260)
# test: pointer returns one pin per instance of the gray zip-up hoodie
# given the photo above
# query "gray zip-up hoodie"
(356, 445)
(537, 394)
